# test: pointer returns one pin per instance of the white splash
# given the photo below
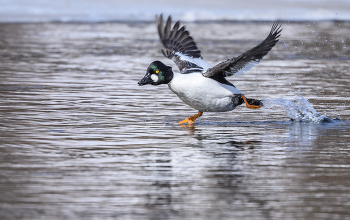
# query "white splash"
(298, 109)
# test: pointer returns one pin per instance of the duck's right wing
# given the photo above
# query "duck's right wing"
(180, 47)
(247, 60)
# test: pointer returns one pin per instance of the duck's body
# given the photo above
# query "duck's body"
(202, 93)
(198, 84)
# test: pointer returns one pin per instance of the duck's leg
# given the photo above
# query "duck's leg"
(252, 103)
(191, 119)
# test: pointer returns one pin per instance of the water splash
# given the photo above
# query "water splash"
(298, 109)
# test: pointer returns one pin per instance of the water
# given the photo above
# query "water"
(80, 140)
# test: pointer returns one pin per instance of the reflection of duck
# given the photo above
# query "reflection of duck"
(198, 84)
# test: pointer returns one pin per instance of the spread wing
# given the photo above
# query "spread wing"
(247, 60)
(180, 47)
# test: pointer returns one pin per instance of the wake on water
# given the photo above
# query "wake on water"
(298, 109)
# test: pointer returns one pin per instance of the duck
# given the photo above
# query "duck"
(198, 84)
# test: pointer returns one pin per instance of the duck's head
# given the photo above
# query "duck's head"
(157, 73)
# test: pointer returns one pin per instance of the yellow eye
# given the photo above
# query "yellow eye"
(157, 71)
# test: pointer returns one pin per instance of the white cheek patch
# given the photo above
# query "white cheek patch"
(154, 77)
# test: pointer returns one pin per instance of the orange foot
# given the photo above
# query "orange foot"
(191, 119)
(250, 103)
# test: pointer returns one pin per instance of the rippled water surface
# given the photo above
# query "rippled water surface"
(80, 140)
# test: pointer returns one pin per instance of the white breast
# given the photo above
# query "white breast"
(202, 93)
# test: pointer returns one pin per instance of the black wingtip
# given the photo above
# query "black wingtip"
(176, 38)
(276, 29)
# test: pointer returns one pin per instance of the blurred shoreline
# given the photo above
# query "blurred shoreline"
(144, 11)
(187, 22)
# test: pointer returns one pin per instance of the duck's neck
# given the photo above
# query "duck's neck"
(168, 76)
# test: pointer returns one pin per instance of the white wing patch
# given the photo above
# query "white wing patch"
(232, 89)
(198, 61)
(247, 67)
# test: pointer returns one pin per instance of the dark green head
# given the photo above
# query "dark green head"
(157, 73)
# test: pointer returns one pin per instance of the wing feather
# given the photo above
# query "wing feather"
(247, 60)
(180, 46)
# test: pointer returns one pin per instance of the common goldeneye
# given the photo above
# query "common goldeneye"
(198, 84)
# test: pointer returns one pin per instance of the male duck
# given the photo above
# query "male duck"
(198, 84)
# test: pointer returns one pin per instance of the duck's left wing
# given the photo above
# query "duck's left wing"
(247, 60)
(180, 47)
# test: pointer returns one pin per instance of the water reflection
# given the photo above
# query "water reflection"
(189, 177)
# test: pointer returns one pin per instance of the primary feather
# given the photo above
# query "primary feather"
(180, 47)
(247, 60)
